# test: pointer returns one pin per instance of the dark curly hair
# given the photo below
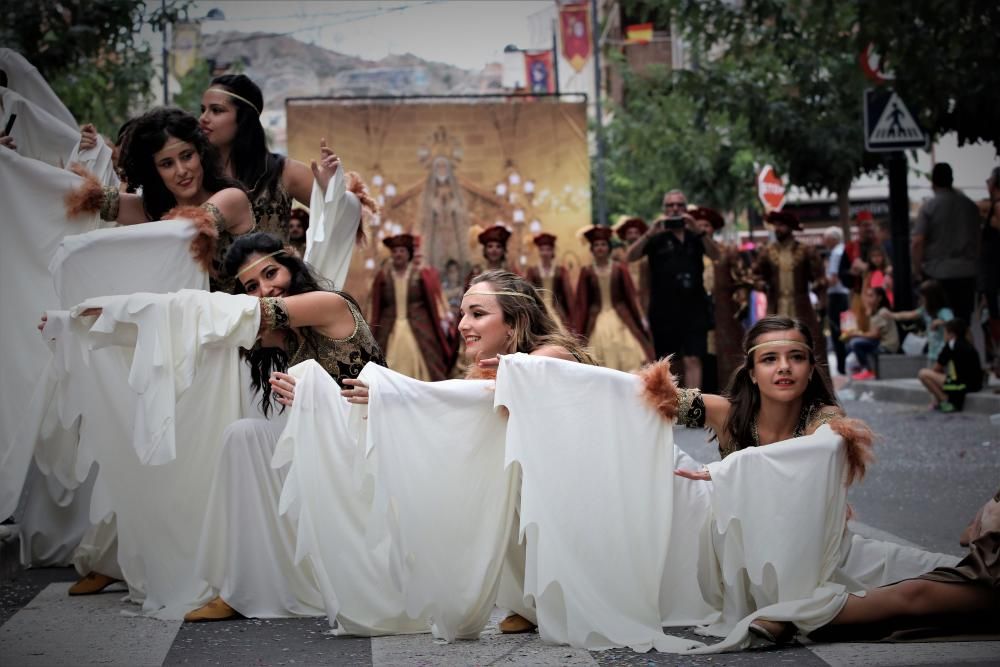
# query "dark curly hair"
(147, 135)
(264, 360)
(253, 164)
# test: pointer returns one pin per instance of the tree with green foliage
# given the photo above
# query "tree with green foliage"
(89, 52)
(658, 141)
(192, 85)
(944, 58)
(790, 68)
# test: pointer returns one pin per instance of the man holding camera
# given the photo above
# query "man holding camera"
(676, 245)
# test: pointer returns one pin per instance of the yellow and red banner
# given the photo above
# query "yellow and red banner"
(639, 34)
(538, 71)
(574, 29)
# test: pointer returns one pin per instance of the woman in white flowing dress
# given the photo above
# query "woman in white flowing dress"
(776, 395)
(246, 552)
(166, 154)
(501, 313)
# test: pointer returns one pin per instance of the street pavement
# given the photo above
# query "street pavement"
(932, 472)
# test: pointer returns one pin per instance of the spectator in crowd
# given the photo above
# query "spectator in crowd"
(945, 244)
(678, 305)
(854, 264)
(881, 336)
(837, 294)
(934, 312)
(879, 272)
(956, 372)
(989, 266)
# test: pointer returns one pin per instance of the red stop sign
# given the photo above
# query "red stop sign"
(770, 189)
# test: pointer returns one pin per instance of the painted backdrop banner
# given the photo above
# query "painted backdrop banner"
(444, 169)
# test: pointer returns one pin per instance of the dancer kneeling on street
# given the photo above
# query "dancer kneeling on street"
(776, 395)
(252, 567)
(501, 313)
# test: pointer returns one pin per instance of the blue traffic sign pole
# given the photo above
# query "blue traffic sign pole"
(899, 221)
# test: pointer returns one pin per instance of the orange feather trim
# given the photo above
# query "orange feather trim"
(660, 388)
(478, 373)
(87, 198)
(356, 185)
(206, 237)
(859, 439)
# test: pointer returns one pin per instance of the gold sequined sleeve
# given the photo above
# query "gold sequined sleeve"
(217, 217)
(824, 416)
(273, 314)
(690, 408)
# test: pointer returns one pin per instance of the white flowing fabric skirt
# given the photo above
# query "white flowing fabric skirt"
(247, 549)
(330, 491)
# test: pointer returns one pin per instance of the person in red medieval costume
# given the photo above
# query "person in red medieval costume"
(607, 308)
(494, 242)
(408, 315)
(784, 270)
(552, 280)
(730, 292)
(629, 229)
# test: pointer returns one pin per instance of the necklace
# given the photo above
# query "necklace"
(800, 428)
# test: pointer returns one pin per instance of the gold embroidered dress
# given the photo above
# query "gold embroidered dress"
(613, 343)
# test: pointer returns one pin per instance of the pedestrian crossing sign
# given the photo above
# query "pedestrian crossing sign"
(889, 125)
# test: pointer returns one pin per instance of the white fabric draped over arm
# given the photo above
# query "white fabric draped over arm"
(334, 219)
(24, 78)
(448, 499)
(34, 223)
(38, 134)
(598, 506)
(329, 491)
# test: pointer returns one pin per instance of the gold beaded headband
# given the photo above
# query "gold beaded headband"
(258, 261)
(501, 293)
(232, 94)
(772, 343)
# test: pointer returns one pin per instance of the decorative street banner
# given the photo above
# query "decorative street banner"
(538, 71)
(185, 47)
(574, 28)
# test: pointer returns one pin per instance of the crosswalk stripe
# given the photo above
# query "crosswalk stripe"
(491, 648)
(55, 629)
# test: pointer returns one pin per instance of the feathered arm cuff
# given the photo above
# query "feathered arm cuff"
(661, 393)
(206, 220)
(859, 439)
(91, 197)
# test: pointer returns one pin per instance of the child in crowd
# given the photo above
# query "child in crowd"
(934, 311)
(879, 271)
(956, 371)
(881, 335)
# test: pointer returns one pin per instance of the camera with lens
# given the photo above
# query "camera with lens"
(674, 222)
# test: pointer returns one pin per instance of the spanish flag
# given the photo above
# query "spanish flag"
(639, 34)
